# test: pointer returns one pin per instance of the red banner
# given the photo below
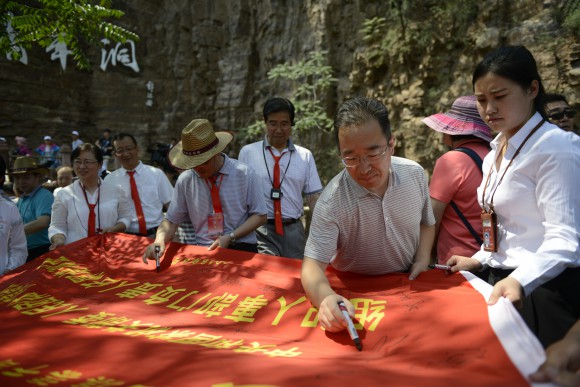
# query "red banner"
(92, 314)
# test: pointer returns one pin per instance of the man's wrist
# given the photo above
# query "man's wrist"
(425, 260)
(57, 238)
(232, 236)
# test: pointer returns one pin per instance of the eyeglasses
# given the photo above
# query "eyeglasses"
(558, 116)
(88, 163)
(120, 151)
(351, 162)
(276, 125)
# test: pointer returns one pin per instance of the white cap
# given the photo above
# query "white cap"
(2, 139)
(47, 138)
(75, 132)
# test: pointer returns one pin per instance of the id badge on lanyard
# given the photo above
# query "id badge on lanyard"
(489, 230)
(215, 225)
(489, 219)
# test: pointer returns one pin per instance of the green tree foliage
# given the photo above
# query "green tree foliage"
(571, 12)
(76, 23)
(414, 43)
(414, 29)
(311, 79)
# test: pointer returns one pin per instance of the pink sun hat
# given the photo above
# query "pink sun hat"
(463, 119)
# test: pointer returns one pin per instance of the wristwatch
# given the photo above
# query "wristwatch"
(232, 237)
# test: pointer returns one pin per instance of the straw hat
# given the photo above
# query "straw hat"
(198, 144)
(26, 164)
(462, 119)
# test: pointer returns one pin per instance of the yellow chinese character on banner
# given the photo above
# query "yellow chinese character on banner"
(247, 308)
(55, 377)
(18, 372)
(13, 291)
(163, 296)
(255, 347)
(368, 311)
(284, 307)
(215, 305)
(100, 381)
(139, 290)
(90, 320)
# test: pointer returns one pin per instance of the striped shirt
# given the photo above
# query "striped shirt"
(356, 230)
(297, 171)
(240, 196)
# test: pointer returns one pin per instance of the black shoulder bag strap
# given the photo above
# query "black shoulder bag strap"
(478, 161)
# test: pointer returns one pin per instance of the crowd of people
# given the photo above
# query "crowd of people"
(502, 203)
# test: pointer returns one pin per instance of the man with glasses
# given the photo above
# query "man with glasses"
(148, 186)
(559, 112)
(374, 217)
(287, 171)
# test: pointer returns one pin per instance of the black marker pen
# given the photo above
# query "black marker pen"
(351, 329)
(440, 267)
(157, 250)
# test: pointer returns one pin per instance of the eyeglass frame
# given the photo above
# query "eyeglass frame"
(285, 125)
(88, 163)
(375, 158)
(568, 113)
(119, 152)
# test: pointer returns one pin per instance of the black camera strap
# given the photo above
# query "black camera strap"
(266, 163)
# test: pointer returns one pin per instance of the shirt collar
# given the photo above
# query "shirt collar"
(516, 140)
(138, 168)
(227, 167)
(361, 191)
(32, 193)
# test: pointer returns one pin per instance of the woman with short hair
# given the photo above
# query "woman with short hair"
(88, 207)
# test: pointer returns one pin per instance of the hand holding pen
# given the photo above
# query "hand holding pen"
(350, 327)
(153, 251)
(157, 252)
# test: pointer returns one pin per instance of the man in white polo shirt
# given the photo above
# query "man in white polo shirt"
(148, 186)
(374, 217)
(287, 172)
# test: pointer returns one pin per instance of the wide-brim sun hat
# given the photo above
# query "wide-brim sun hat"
(199, 143)
(26, 164)
(463, 119)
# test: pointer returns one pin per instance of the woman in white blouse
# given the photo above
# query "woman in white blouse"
(87, 207)
(530, 198)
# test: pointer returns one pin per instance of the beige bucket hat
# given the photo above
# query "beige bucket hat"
(198, 144)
